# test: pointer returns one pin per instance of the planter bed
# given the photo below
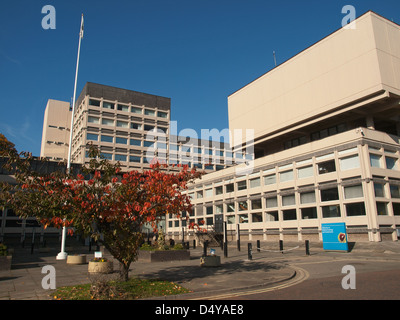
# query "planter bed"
(5, 263)
(163, 255)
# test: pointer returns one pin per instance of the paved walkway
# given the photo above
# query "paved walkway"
(267, 268)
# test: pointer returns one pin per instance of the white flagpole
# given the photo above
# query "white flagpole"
(63, 255)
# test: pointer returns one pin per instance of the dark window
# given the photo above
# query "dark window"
(326, 167)
(330, 194)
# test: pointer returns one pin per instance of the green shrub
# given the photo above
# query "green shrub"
(178, 246)
(3, 250)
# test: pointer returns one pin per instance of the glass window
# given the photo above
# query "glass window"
(148, 143)
(331, 211)
(230, 187)
(92, 136)
(134, 159)
(288, 200)
(242, 205)
(379, 189)
(286, 176)
(149, 112)
(161, 114)
(353, 192)
(305, 172)
(106, 155)
(394, 191)
(199, 194)
(348, 163)
(272, 216)
(210, 221)
(230, 207)
(330, 194)
(326, 167)
(135, 142)
(396, 208)
(122, 107)
(93, 119)
(107, 122)
(108, 105)
(136, 126)
(218, 190)
(289, 214)
(121, 140)
(270, 179)
(120, 157)
(391, 163)
(381, 208)
(106, 138)
(242, 185)
(136, 110)
(307, 197)
(375, 160)
(256, 204)
(209, 210)
(309, 213)
(148, 127)
(122, 124)
(219, 208)
(243, 218)
(271, 202)
(230, 219)
(355, 209)
(254, 182)
(208, 193)
(95, 103)
(256, 217)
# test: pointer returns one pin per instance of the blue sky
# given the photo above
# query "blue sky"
(195, 52)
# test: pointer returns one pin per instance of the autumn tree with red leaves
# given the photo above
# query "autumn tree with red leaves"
(101, 201)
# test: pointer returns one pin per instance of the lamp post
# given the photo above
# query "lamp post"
(62, 255)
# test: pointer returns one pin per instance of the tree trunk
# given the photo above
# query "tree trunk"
(124, 271)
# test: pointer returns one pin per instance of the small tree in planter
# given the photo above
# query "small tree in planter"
(110, 204)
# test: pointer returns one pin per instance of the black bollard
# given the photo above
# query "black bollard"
(194, 244)
(307, 244)
(249, 251)
(258, 246)
(281, 245)
(205, 248)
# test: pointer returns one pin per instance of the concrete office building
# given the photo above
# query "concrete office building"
(326, 139)
(128, 126)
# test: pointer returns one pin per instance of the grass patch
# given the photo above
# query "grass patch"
(117, 290)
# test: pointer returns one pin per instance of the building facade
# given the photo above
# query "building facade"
(326, 142)
(130, 127)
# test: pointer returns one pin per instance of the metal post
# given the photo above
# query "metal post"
(62, 255)
(183, 235)
(225, 240)
(258, 246)
(33, 239)
(205, 248)
(194, 243)
(307, 243)
(281, 245)
(249, 251)
(238, 236)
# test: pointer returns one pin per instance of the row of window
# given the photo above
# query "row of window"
(330, 211)
(126, 124)
(126, 108)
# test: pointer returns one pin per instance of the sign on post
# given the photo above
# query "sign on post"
(334, 236)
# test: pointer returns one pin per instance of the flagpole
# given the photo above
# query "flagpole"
(62, 255)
